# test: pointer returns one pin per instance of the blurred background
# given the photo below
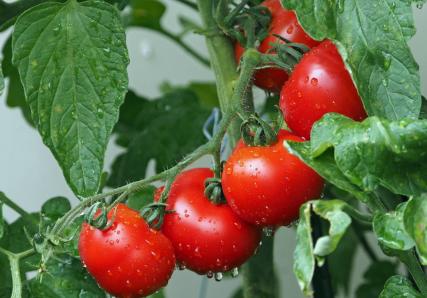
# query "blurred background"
(30, 175)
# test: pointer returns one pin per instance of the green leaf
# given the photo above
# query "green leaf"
(65, 278)
(147, 13)
(141, 198)
(304, 255)
(15, 97)
(2, 222)
(375, 152)
(374, 279)
(55, 208)
(326, 167)
(372, 38)
(415, 221)
(72, 61)
(157, 130)
(390, 230)
(423, 114)
(399, 286)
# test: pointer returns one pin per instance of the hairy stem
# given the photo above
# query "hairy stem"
(222, 62)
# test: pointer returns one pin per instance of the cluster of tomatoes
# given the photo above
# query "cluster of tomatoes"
(264, 186)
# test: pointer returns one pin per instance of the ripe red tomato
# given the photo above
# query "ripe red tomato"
(284, 23)
(207, 238)
(267, 185)
(128, 259)
(318, 85)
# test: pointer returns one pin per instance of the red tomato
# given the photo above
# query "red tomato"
(128, 259)
(267, 185)
(207, 238)
(319, 84)
(284, 23)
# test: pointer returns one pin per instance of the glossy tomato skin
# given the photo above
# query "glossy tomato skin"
(266, 185)
(318, 85)
(284, 23)
(206, 237)
(128, 259)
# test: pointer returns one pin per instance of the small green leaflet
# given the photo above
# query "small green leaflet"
(72, 61)
(390, 230)
(415, 221)
(305, 251)
(399, 286)
(372, 37)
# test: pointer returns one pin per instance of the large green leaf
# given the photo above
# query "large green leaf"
(15, 97)
(415, 221)
(72, 61)
(158, 130)
(374, 279)
(375, 152)
(373, 39)
(390, 230)
(305, 251)
(65, 278)
(399, 286)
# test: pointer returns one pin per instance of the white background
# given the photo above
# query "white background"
(30, 175)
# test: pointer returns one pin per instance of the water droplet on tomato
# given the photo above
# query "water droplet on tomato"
(218, 276)
(235, 272)
(299, 94)
(314, 81)
(209, 274)
(290, 29)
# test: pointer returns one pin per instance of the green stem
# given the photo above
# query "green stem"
(15, 270)
(185, 46)
(223, 63)
(259, 277)
(417, 272)
(13, 205)
(365, 219)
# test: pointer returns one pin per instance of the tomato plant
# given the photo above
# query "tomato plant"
(128, 259)
(344, 161)
(207, 238)
(284, 23)
(319, 84)
(266, 185)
